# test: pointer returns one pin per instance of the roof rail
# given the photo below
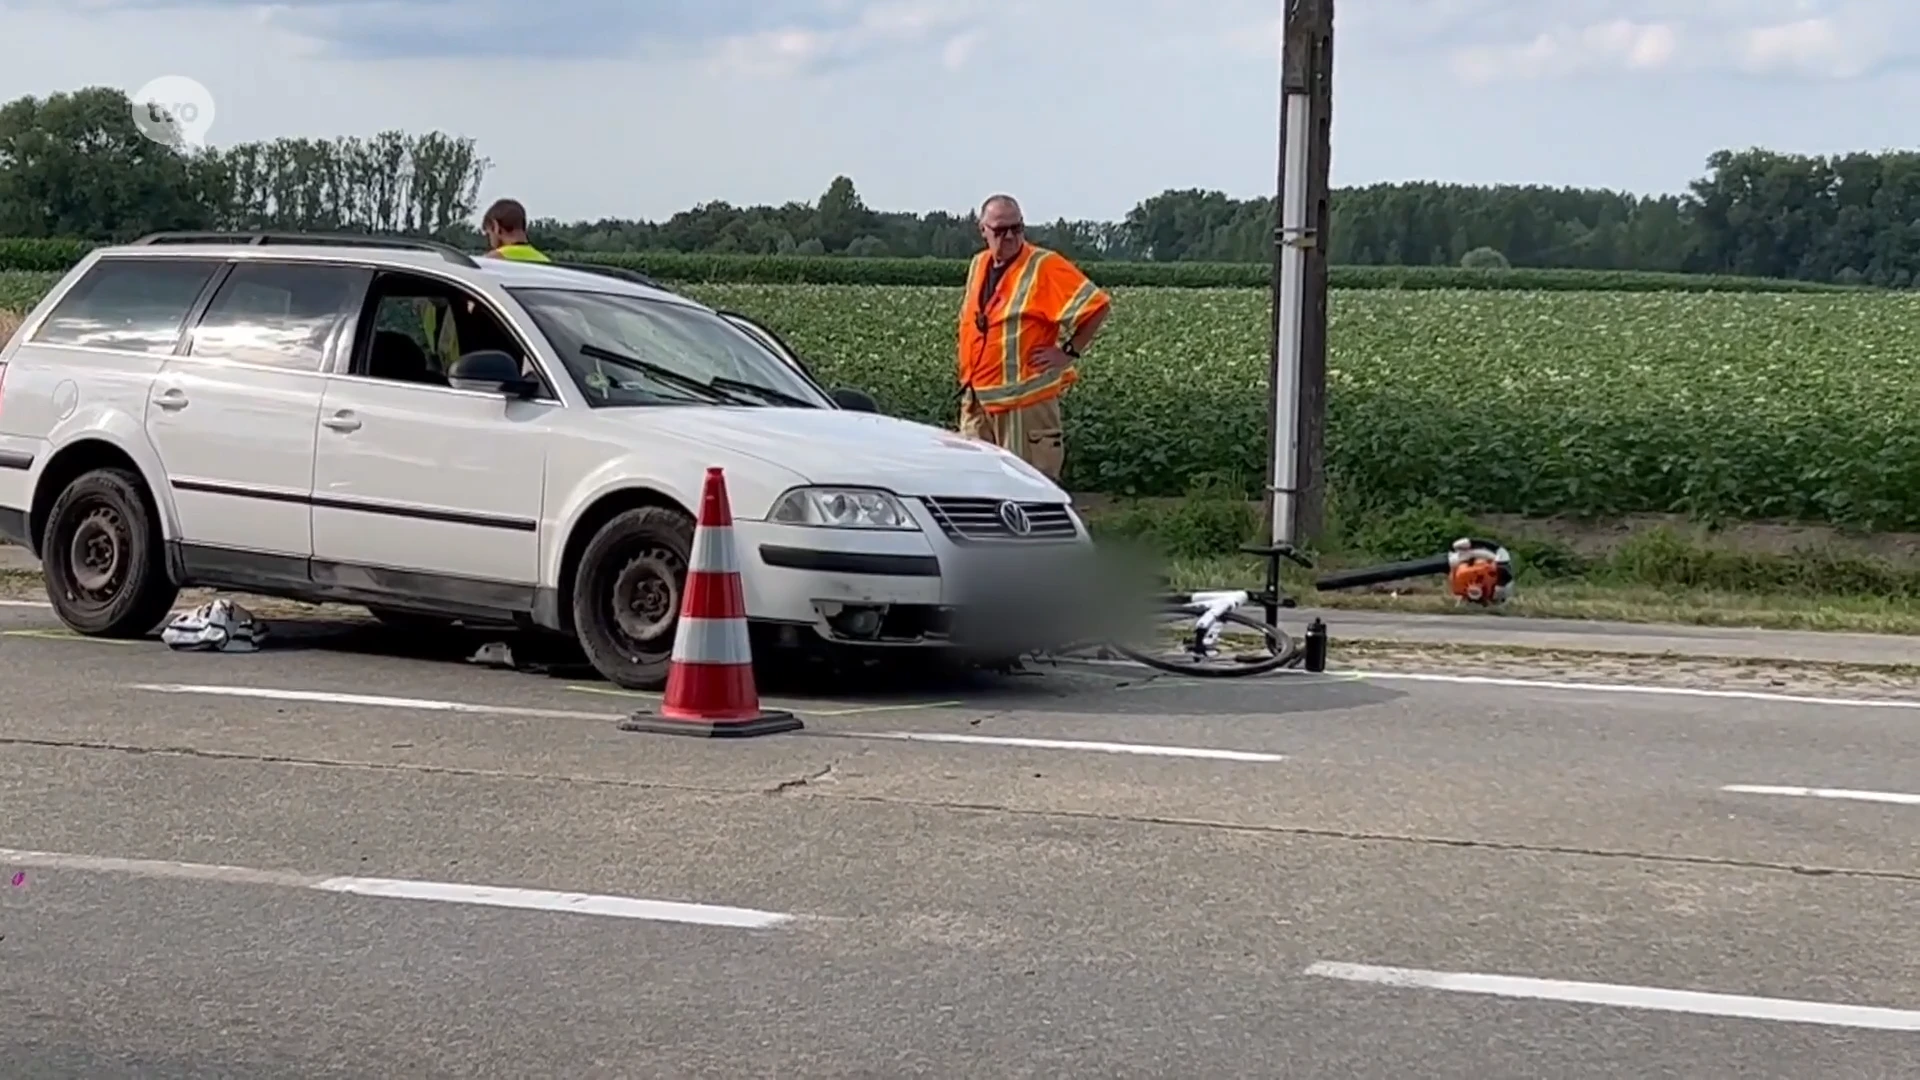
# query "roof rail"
(402, 243)
(620, 272)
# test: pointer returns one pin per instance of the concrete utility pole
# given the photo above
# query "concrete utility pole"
(1296, 470)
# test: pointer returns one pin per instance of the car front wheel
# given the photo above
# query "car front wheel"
(627, 595)
(101, 557)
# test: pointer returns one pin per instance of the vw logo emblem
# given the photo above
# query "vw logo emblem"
(1015, 519)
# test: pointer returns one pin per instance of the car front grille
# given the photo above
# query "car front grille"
(974, 521)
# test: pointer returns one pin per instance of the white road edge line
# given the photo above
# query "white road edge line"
(39, 604)
(1147, 749)
(1631, 688)
(1895, 797)
(328, 697)
(1626, 997)
(618, 907)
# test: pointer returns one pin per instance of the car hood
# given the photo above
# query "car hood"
(834, 446)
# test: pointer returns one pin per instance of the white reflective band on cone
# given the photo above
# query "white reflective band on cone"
(712, 641)
(713, 550)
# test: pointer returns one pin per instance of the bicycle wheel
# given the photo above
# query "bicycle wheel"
(1274, 649)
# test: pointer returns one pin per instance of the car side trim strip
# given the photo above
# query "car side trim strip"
(16, 459)
(322, 581)
(850, 562)
(415, 513)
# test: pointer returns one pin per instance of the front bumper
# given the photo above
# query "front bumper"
(918, 589)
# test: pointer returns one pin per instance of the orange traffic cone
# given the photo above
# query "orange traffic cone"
(710, 688)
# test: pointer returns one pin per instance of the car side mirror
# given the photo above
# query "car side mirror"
(855, 400)
(490, 371)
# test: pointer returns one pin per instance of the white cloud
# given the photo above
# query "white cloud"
(1815, 47)
(774, 54)
(1492, 40)
(1619, 45)
(959, 49)
(750, 101)
(789, 51)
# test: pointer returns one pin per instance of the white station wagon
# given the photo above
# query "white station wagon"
(266, 413)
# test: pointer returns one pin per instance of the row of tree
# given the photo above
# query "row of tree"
(73, 164)
(1381, 225)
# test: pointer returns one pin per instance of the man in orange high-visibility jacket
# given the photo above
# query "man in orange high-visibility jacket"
(1027, 317)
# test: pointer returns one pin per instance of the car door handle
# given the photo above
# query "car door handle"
(344, 420)
(174, 398)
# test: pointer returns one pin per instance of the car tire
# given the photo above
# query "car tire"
(627, 595)
(102, 557)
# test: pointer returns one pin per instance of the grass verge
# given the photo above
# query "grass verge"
(1770, 667)
(1660, 576)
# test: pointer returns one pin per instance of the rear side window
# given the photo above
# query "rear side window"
(137, 305)
(279, 314)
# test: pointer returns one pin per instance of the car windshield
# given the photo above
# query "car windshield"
(628, 350)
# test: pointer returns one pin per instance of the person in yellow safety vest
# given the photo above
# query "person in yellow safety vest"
(505, 226)
(443, 338)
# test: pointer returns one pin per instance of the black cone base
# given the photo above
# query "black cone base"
(770, 722)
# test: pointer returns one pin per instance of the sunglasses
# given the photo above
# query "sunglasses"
(998, 231)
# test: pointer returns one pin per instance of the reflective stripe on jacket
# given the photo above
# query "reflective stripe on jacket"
(1039, 302)
(519, 253)
(443, 339)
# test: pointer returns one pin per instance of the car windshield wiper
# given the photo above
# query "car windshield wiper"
(718, 394)
(723, 383)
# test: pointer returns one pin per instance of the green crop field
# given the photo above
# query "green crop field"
(1718, 405)
(45, 255)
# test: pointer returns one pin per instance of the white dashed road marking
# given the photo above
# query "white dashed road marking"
(379, 701)
(617, 907)
(1147, 749)
(1896, 797)
(1627, 997)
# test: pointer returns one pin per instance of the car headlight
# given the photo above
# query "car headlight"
(842, 508)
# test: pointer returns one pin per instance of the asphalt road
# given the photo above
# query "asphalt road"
(198, 836)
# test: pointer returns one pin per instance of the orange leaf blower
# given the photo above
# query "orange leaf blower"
(1478, 572)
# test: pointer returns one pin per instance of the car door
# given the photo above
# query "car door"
(421, 490)
(233, 418)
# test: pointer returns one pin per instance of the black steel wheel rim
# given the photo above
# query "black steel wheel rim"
(645, 602)
(98, 551)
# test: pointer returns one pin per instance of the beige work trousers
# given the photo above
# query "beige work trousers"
(1032, 431)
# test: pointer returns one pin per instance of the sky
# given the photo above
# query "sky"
(1081, 108)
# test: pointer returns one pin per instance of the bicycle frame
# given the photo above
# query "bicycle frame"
(1213, 605)
(1211, 611)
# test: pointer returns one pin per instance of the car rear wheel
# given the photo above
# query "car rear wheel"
(627, 595)
(101, 557)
